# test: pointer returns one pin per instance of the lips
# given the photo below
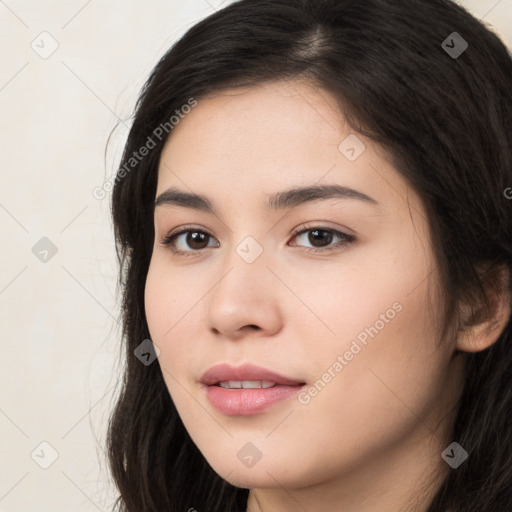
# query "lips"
(247, 372)
(247, 389)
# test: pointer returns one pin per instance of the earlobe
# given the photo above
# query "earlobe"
(482, 328)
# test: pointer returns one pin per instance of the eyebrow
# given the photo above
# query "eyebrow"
(286, 199)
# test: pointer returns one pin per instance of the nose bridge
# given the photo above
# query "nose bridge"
(246, 294)
(250, 250)
(245, 269)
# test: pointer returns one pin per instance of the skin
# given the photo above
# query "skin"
(371, 439)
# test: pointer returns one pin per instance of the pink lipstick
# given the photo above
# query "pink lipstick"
(246, 389)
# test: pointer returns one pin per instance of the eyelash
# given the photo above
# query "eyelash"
(169, 239)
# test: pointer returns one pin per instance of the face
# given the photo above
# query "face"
(330, 291)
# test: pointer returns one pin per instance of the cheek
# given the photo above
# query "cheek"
(168, 302)
(170, 297)
(377, 338)
(376, 293)
(388, 369)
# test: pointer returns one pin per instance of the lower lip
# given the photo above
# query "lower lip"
(244, 402)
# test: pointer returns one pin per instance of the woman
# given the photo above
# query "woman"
(315, 240)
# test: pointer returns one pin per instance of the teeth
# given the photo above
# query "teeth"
(246, 384)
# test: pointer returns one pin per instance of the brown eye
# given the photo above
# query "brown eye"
(320, 239)
(196, 239)
(188, 241)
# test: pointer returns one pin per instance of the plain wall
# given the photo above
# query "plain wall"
(59, 335)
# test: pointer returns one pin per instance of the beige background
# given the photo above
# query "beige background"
(59, 335)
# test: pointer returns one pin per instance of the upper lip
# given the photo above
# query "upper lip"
(226, 372)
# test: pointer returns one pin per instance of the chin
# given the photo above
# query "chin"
(248, 478)
(264, 474)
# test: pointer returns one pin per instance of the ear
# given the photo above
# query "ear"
(482, 327)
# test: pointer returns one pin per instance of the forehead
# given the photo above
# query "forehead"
(270, 137)
(272, 110)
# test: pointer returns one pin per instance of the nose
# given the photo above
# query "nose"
(246, 300)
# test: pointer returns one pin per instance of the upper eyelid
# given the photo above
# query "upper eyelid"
(301, 229)
(303, 226)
